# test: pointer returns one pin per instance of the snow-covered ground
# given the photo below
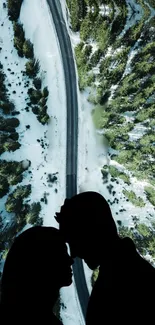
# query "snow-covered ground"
(152, 10)
(39, 28)
(135, 14)
(88, 273)
(138, 131)
(70, 311)
(130, 22)
(42, 33)
(104, 10)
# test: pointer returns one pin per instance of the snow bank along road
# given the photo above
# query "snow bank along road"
(72, 132)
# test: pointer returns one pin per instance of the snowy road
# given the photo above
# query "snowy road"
(72, 133)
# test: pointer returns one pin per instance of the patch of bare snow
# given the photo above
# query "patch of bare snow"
(96, 70)
(75, 36)
(41, 32)
(94, 47)
(137, 132)
(88, 273)
(104, 10)
(152, 10)
(112, 89)
(65, 12)
(96, 83)
(116, 9)
(132, 18)
(118, 50)
(109, 51)
(129, 116)
(133, 51)
(138, 187)
(70, 309)
(70, 312)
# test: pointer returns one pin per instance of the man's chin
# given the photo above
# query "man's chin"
(67, 282)
(92, 264)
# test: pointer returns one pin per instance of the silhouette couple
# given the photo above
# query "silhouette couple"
(38, 265)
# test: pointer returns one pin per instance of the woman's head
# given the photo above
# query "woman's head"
(87, 225)
(37, 263)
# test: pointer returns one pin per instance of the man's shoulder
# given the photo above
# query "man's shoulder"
(131, 251)
(125, 262)
(125, 281)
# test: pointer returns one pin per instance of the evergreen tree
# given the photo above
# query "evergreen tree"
(37, 83)
(32, 68)
(150, 194)
(22, 191)
(11, 145)
(33, 214)
(4, 186)
(45, 92)
(14, 8)
(28, 49)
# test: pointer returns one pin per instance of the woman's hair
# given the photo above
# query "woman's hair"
(32, 261)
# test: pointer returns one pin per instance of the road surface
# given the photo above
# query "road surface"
(72, 132)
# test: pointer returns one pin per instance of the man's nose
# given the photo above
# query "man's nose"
(72, 251)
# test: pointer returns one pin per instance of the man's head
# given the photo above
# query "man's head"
(86, 223)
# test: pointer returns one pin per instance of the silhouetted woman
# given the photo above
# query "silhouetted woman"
(36, 267)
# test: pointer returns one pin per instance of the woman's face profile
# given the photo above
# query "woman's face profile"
(65, 266)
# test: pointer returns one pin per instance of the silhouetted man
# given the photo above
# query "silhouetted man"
(125, 288)
(36, 267)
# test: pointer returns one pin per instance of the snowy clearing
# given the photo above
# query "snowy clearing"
(52, 158)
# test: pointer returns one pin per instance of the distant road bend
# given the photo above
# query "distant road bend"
(72, 132)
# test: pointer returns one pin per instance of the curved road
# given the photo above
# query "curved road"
(72, 132)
